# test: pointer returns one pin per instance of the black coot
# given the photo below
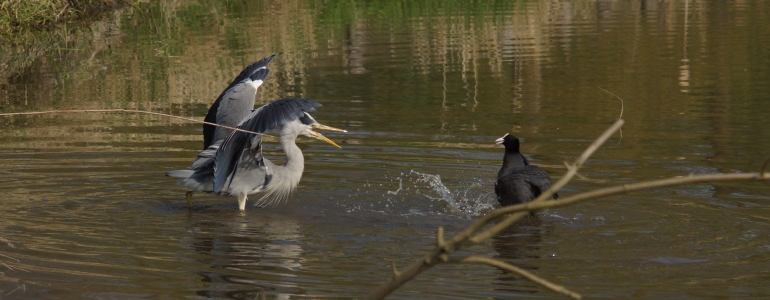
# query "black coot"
(518, 181)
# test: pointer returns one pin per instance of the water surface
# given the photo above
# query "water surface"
(424, 88)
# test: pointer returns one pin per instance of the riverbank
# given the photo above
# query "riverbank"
(16, 15)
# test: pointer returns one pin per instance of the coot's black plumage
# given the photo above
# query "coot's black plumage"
(518, 181)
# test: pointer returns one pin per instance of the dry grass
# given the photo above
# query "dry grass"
(21, 14)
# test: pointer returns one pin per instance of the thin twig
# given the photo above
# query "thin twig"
(124, 111)
(622, 106)
(523, 273)
(621, 102)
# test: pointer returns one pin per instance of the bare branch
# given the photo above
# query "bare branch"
(621, 189)
(440, 253)
(440, 237)
(523, 273)
(120, 110)
(395, 269)
(513, 213)
(572, 169)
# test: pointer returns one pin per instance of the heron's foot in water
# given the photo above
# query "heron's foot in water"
(188, 197)
(242, 201)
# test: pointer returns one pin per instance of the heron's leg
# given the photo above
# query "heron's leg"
(188, 197)
(242, 201)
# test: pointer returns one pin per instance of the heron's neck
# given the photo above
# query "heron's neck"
(284, 179)
(294, 159)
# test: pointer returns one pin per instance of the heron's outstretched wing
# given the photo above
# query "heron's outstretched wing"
(204, 164)
(205, 160)
(236, 101)
(232, 154)
(200, 176)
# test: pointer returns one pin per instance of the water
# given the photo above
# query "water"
(424, 88)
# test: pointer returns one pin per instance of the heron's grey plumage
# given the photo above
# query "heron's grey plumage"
(240, 167)
(200, 176)
(231, 107)
(235, 102)
(231, 162)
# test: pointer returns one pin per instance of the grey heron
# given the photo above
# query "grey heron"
(233, 105)
(242, 170)
(518, 181)
(239, 167)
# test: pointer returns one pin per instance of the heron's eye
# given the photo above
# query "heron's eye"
(307, 119)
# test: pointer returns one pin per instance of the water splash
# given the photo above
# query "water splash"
(406, 193)
(400, 187)
(434, 181)
(467, 200)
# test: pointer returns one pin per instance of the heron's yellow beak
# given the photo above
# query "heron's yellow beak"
(315, 134)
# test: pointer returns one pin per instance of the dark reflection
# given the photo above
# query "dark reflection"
(518, 245)
(249, 254)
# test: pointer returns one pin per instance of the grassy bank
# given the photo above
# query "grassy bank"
(23, 14)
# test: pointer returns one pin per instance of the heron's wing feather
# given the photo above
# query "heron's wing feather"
(249, 160)
(237, 103)
(227, 158)
(253, 74)
(203, 164)
(180, 173)
(288, 109)
(206, 157)
(260, 120)
(279, 117)
(251, 69)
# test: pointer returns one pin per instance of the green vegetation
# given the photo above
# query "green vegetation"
(19, 14)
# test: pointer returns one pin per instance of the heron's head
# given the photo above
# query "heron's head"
(311, 126)
(509, 141)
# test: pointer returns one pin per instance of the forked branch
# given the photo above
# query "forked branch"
(572, 170)
(511, 214)
(444, 248)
